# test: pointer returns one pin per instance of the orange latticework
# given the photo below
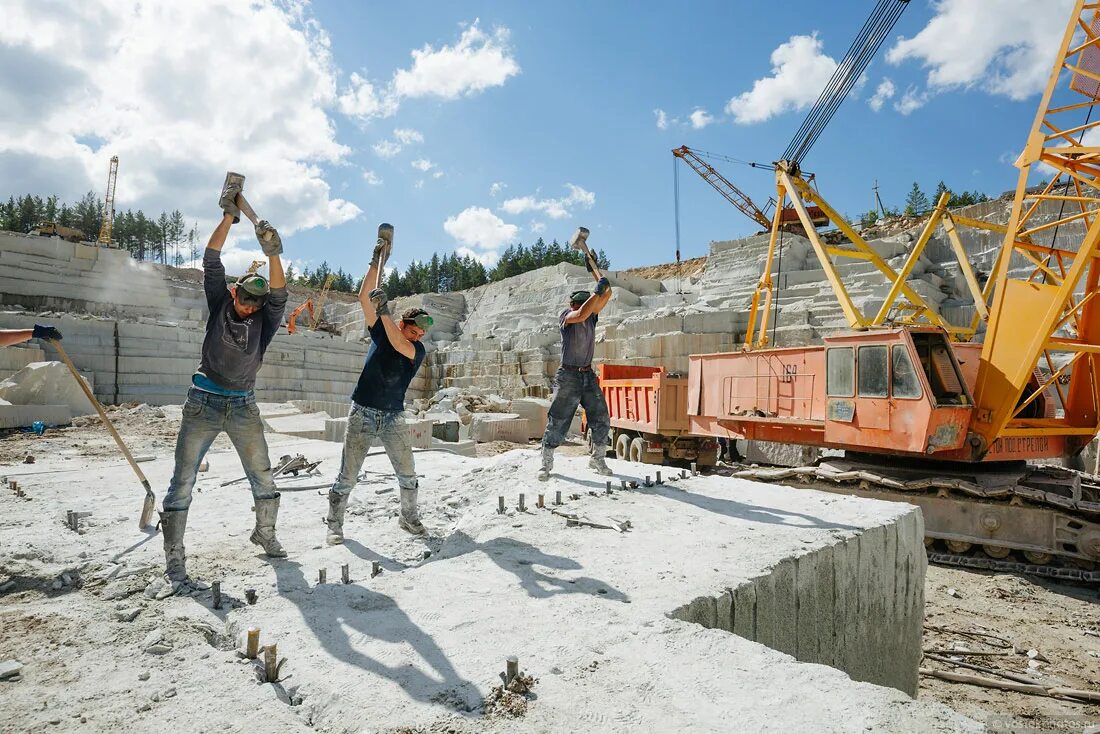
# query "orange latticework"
(1043, 314)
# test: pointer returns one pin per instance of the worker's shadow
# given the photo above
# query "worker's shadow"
(355, 613)
(743, 511)
(520, 558)
(361, 551)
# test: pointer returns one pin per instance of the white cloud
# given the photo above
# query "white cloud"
(423, 164)
(372, 178)
(85, 81)
(662, 119)
(480, 232)
(883, 92)
(386, 148)
(497, 187)
(538, 227)
(361, 100)
(419, 184)
(910, 101)
(437, 174)
(1005, 47)
(408, 136)
(700, 119)
(554, 208)
(478, 61)
(799, 71)
(487, 259)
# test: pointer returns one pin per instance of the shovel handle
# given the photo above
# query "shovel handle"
(102, 415)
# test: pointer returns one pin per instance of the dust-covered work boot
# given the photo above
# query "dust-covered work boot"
(409, 519)
(598, 463)
(337, 505)
(267, 512)
(547, 463)
(172, 525)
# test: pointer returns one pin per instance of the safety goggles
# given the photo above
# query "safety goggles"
(424, 321)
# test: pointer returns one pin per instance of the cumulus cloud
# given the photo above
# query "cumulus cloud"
(407, 136)
(360, 99)
(883, 92)
(559, 208)
(1005, 47)
(372, 178)
(85, 81)
(700, 119)
(799, 71)
(478, 61)
(423, 164)
(662, 119)
(911, 101)
(480, 232)
(386, 148)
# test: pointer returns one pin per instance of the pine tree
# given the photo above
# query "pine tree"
(916, 202)
(941, 189)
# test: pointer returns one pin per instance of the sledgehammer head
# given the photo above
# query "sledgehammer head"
(385, 234)
(579, 239)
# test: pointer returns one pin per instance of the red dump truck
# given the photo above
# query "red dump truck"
(649, 420)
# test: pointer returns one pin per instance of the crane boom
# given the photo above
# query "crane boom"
(109, 204)
(722, 185)
(1043, 308)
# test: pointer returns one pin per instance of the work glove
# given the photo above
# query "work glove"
(602, 285)
(270, 242)
(380, 301)
(383, 245)
(234, 184)
(46, 332)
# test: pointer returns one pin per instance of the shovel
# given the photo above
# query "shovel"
(150, 499)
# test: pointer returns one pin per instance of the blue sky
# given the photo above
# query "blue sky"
(474, 125)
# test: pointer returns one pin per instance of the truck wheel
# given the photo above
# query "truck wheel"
(637, 449)
(622, 447)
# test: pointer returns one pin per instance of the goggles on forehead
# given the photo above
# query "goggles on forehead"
(424, 321)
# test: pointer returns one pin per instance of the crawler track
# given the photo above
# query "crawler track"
(1011, 517)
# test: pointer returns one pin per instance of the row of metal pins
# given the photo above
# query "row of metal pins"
(271, 655)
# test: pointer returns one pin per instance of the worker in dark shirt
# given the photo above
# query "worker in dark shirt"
(8, 337)
(243, 320)
(576, 382)
(378, 402)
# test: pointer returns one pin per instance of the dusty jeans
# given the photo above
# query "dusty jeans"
(366, 427)
(575, 388)
(205, 415)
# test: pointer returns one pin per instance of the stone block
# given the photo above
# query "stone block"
(20, 416)
(485, 427)
(46, 383)
(534, 410)
(462, 448)
(306, 425)
(420, 433)
(336, 429)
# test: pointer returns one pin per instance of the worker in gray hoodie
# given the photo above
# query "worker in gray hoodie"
(243, 320)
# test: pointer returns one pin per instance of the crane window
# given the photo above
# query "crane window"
(873, 377)
(903, 378)
(839, 369)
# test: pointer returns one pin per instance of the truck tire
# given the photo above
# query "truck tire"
(637, 450)
(622, 447)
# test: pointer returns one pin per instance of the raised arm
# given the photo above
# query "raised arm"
(370, 282)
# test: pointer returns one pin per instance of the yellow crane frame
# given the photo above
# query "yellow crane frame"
(1057, 296)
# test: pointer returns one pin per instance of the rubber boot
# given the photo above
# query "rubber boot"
(172, 525)
(547, 463)
(409, 519)
(598, 463)
(337, 504)
(267, 512)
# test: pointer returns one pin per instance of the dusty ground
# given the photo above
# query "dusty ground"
(687, 268)
(1061, 622)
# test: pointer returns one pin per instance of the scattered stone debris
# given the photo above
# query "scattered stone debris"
(510, 702)
(10, 669)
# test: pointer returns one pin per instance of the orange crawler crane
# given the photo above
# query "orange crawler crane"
(912, 389)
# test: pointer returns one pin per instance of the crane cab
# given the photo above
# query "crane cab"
(895, 390)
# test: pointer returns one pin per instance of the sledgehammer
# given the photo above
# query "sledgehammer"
(246, 209)
(150, 499)
(579, 241)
